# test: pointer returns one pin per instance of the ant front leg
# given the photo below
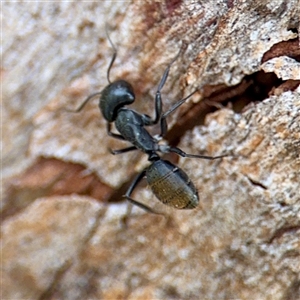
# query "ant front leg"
(118, 137)
(158, 100)
(113, 135)
(163, 120)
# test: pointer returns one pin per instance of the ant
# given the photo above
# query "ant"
(168, 182)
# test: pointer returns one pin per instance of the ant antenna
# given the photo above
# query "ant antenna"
(108, 72)
(114, 53)
(82, 105)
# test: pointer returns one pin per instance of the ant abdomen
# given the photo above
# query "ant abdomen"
(171, 185)
(115, 95)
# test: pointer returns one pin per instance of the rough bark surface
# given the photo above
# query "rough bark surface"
(242, 242)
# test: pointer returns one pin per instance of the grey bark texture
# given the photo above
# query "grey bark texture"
(62, 239)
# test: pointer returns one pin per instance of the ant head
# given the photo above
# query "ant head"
(113, 97)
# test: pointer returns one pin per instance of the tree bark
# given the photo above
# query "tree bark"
(62, 235)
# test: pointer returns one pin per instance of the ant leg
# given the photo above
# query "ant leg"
(114, 135)
(163, 121)
(124, 150)
(132, 186)
(158, 101)
(183, 154)
(177, 104)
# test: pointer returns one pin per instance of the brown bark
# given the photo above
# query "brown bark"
(242, 242)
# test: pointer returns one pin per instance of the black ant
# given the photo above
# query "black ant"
(169, 183)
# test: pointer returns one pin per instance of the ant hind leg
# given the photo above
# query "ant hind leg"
(184, 154)
(131, 201)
